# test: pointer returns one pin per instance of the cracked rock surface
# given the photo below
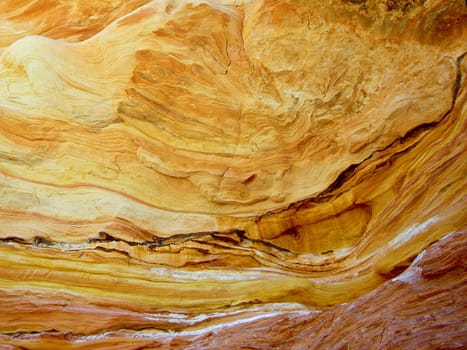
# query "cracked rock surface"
(233, 174)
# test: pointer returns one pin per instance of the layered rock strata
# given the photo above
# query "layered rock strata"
(233, 174)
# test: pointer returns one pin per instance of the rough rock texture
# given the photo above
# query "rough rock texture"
(233, 174)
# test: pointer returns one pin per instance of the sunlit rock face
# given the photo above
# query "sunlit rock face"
(233, 174)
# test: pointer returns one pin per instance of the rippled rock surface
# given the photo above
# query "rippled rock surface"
(233, 174)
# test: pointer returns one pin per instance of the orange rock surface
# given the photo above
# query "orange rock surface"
(233, 174)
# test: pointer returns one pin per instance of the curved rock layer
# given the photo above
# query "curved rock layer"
(233, 174)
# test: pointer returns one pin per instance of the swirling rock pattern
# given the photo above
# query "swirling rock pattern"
(233, 174)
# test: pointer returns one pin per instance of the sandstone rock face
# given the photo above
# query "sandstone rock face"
(233, 174)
